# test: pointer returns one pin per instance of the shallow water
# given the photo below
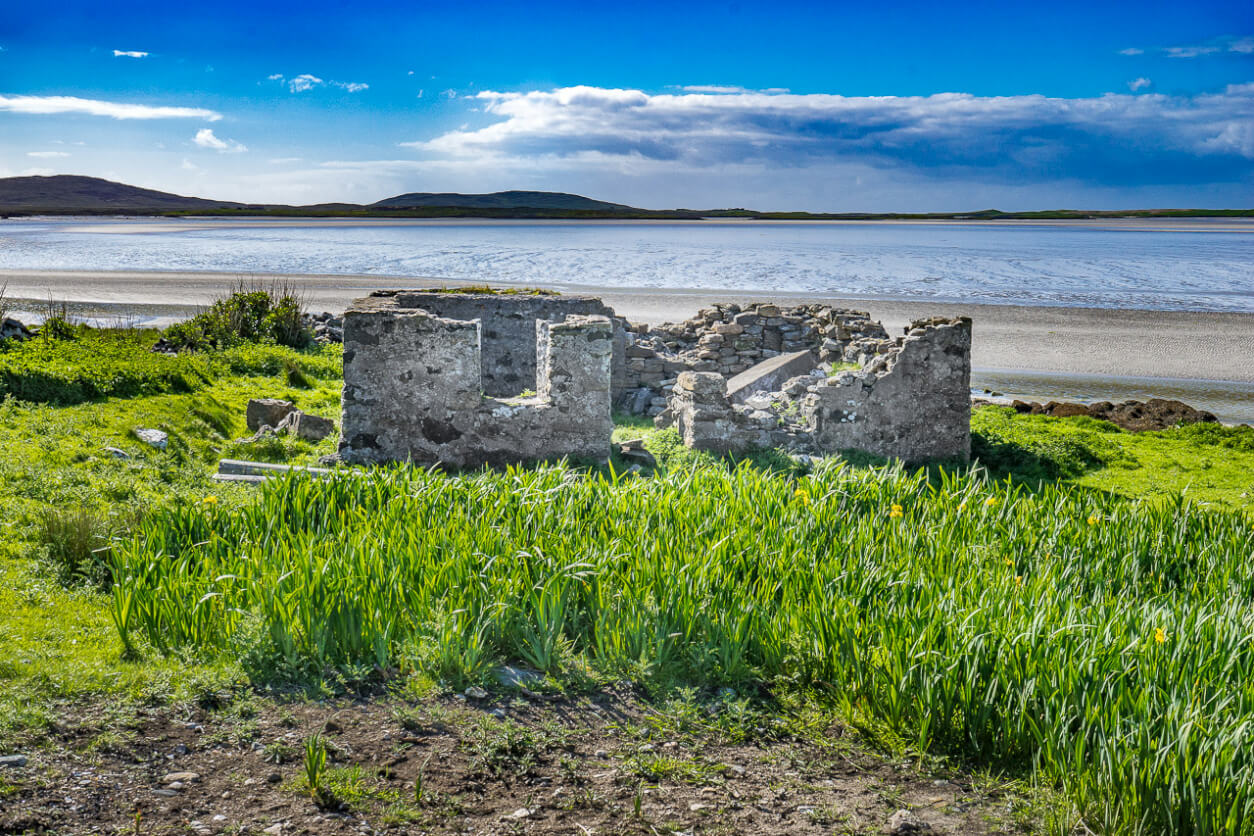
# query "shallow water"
(1177, 265)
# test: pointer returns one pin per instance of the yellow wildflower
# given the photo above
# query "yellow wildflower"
(1094, 519)
(802, 496)
(991, 501)
(895, 512)
(1007, 561)
(1160, 635)
(210, 500)
(1018, 580)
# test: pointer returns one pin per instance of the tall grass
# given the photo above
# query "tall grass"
(1104, 644)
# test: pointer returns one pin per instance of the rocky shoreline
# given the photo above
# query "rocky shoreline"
(1134, 416)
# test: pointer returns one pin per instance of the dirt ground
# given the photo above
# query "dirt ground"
(608, 763)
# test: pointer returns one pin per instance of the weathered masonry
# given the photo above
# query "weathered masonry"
(912, 401)
(508, 322)
(422, 371)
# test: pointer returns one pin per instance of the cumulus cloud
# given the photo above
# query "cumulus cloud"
(303, 82)
(46, 105)
(125, 53)
(1139, 84)
(1111, 138)
(352, 86)
(47, 154)
(206, 139)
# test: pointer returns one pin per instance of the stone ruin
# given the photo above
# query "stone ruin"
(730, 339)
(437, 376)
(912, 401)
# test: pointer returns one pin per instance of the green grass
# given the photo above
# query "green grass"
(1211, 464)
(101, 364)
(1014, 635)
(1012, 627)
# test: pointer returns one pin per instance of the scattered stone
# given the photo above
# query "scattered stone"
(153, 438)
(12, 761)
(697, 806)
(273, 830)
(520, 813)
(185, 777)
(274, 778)
(514, 677)
(600, 753)
(476, 693)
(904, 823)
(267, 412)
(164, 793)
(117, 453)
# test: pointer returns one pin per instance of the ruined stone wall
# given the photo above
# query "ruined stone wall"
(729, 339)
(508, 344)
(911, 402)
(414, 389)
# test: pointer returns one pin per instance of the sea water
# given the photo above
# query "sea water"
(1202, 264)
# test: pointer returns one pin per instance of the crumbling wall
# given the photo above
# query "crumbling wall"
(508, 327)
(912, 402)
(414, 391)
(728, 339)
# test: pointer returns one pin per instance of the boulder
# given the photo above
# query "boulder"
(263, 411)
(11, 329)
(153, 438)
(308, 427)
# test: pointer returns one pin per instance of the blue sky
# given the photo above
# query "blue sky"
(908, 106)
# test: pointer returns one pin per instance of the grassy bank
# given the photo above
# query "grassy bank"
(1074, 613)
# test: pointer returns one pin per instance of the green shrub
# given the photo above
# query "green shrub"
(271, 315)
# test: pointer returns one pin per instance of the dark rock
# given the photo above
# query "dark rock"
(1133, 416)
(263, 411)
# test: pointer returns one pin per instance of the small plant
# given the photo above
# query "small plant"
(315, 766)
(77, 542)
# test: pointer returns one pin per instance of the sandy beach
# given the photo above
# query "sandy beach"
(1206, 359)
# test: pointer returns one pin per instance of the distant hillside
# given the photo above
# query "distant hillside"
(68, 194)
(502, 200)
(71, 193)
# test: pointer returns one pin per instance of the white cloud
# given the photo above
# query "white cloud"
(1189, 51)
(47, 105)
(304, 82)
(47, 154)
(1109, 138)
(205, 139)
(275, 77)
(125, 53)
(351, 86)
(1241, 46)
(1131, 51)
(283, 160)
(188, 165)
(1139, 84)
